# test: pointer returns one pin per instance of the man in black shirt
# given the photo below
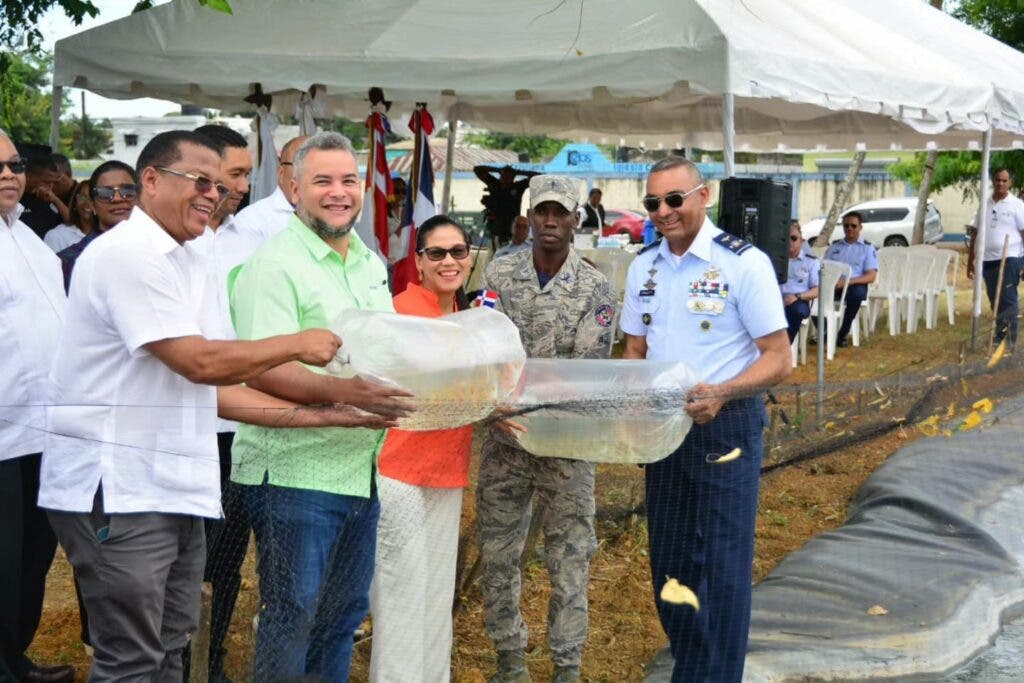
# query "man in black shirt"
(41, 176)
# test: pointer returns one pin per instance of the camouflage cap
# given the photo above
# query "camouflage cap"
(554, 188)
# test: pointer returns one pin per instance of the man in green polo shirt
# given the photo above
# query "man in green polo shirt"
(311, 492)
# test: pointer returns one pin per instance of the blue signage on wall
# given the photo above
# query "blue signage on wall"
(580, 158)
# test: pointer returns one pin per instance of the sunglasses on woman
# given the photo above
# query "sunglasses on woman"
(105, 193)
(673, 199)
(457, 252)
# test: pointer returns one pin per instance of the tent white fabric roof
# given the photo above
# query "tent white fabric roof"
(804, 73)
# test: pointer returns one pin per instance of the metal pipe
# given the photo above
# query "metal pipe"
(55, 107)
(979, 236)
(729, 134)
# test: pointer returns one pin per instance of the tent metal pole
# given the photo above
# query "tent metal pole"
(449, 160)
(58, 96)
(729, 134)
(979, 238)
(819, 399)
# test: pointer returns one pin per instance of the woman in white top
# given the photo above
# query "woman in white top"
(80, 221)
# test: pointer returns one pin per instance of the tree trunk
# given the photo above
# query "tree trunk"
(922, 197)
(840, 201)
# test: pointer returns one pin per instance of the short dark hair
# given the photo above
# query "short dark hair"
(222, 136)
(673, 161)
(61, 163)
(165, 148)
(999, 169)
(39, 164)
(112, 165)
(855, 214)
(595, 189)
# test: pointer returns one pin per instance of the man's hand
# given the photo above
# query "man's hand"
(702, 403)
(348, 416)
(788, 299)
(317, 346)
(45, 193)
(374, 397)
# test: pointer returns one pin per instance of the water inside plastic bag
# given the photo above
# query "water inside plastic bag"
(610, 411)
(459, 367)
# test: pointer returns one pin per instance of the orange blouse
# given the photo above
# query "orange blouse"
(440, 458)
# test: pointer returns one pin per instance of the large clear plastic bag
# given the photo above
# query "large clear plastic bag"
(610, 411)
(459, 367)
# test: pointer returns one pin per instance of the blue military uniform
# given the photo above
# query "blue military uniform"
(862, 257)
(803, 276)
(706, 308)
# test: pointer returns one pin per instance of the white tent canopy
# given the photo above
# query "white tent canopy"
(802, 73)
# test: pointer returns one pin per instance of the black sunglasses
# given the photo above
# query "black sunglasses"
(203, 184)
(673, 199)
(17, 166)
(851, 226)
(457, 252)
(105, 193)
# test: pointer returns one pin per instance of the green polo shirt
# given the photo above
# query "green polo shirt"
(294, 282)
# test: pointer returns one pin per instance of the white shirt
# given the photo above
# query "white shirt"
(398, 244)
(267, 217)
(32, 305)
(62, 237)
(224, 249)
(120, 416)
(1005, 219)
(705, 307)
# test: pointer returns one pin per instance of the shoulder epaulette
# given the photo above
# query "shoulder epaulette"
(652, 245)
(736, 245)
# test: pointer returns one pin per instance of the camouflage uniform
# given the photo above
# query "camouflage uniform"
(571, 317)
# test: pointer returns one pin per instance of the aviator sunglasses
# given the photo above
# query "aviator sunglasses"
(203, 184)
(17, 166)
(458, 252)
(673, 199)
(105, 193)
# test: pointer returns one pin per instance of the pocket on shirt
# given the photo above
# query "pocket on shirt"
(181, 465)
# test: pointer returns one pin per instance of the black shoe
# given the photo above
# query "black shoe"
(841, 343)
(50, 674)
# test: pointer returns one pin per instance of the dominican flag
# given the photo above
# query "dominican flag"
(419, 202)
(373, 221)
(486, 298)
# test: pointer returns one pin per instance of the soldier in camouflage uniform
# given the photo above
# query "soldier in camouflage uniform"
(563, 308)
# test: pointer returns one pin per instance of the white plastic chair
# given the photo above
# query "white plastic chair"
(951, 275)
(887, 289)
(832, 303)
(799, 345)
(937, 281)
(919, 266)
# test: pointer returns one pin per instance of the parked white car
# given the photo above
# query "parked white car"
(887, 223)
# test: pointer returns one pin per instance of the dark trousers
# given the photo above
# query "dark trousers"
(140, 575)
(1006, 316)
(855, 296)
(701, 518)
(796, 313)
(27, 545)
(227, 540)
(316, 557)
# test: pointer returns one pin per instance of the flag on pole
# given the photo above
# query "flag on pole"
(372, 226)
(419, 202)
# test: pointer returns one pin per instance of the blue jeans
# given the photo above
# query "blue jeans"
(700, 518)
(315, 561)
(1006, 316)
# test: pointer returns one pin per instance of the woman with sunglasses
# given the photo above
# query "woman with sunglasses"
(801, 288)
(114, 190)
(80, 221)
(422, 475)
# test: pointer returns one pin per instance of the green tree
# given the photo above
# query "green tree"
(86, 139)
(25, 97)
(537, 147)
(1001, 19)
(960, 169)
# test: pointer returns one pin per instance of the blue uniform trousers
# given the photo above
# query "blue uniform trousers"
(1006, 316)
(701, 520)
(855, 296)
(796, 313)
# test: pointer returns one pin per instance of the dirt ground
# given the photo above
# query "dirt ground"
(877, 386)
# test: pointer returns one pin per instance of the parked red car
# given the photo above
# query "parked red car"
(624, 222)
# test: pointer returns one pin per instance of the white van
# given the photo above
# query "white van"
(887, 223)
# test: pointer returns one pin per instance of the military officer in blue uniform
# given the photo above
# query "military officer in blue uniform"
(801, 286)
(701, 296)
(863, 260)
